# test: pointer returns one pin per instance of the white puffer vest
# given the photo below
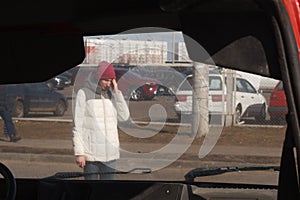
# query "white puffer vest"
(95, 132)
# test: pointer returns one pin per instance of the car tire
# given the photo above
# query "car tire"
(60, 108)
(136, 94)
(261, 118)
(9, 180)
(19, 109)
(238, 114)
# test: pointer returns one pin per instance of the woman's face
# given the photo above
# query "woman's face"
(105, 84)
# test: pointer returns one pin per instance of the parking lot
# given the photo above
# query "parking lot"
(140, 110)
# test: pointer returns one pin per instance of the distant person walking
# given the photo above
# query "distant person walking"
(9, 129)
(99, 106)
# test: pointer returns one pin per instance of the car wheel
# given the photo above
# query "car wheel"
(19, 110)
(10, 182)
(60, 108)
(238, 114)
(136, 94)
(262, 115)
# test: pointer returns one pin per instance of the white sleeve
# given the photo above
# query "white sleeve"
(121, 106)
(78, 118)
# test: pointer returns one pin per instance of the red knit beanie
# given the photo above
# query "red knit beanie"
(106, 71)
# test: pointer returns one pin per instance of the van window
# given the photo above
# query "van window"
(215, 83)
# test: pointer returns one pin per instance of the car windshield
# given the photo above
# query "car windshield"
(165, 135)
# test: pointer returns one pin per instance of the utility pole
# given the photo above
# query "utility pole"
(230, 97)
(173, 48)
(200, 121)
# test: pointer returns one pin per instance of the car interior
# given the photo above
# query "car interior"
(163, 155)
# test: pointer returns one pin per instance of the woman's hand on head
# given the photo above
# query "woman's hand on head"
(114, 85)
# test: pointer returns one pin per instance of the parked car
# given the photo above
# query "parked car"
(249, 102)
(168, 78)
(278, 105)
(35, 97)
(133, 85)
(67, 75)
(216, 98)
(73, 73)
(61, 81)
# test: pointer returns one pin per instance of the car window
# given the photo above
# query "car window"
(186, 84)
(244, 86)
(36, 87)
(43, 88)
(249, 87)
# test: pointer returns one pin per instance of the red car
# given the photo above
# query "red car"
(132, 85)
(278, 105)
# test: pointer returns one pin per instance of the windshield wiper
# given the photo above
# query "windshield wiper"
(63, 175)
(198, 172)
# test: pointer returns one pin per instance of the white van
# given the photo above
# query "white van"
(248, 101)
(216, 97)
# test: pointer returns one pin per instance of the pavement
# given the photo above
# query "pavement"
(38, 150)
(60, 151)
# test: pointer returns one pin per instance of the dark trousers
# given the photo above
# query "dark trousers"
(105, 170)
(9, 127)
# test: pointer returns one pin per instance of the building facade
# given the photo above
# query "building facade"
(132, 51)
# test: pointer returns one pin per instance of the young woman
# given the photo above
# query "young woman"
(99, 106)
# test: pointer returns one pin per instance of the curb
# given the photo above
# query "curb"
(181, 162)
(145, 123)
